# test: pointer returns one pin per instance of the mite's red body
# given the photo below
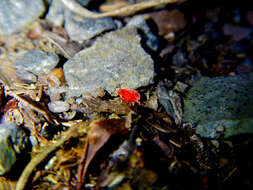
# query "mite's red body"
(128, 95)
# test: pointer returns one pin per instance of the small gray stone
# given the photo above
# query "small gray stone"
(16, 14)
(26, 76)
(56, 13)
(36, 62)
(218, 102)
(115, 60)
(58, 106)
(12, 141)
(150, 39)
(84, 3)
(81, 29)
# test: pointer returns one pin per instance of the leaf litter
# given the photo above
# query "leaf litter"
(105, 142)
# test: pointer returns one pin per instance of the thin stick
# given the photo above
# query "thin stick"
(124, 11)
(10, 90)
(35, 106)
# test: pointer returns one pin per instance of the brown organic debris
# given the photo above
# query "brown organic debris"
(168, 21)
(66, 47)
(112, 106)
(108, 142)
(97, 136)
(7, 184)
(26, 174)
(23, 92)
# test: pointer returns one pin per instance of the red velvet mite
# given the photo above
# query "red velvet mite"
(128, 95)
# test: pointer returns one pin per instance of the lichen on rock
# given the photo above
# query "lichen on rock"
(218, 102)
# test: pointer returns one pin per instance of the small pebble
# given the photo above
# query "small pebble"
(15, 15)
(13, 141)
(36, 61)
(58, 106)
(81, 29)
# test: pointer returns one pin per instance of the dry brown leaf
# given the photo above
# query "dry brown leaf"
(98, 135)
(169, 21)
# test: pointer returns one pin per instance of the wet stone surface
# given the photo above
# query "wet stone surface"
(36, 62)
(221, 105)
(12, 17)
(115, 60)
(81, 29)
(12, 141)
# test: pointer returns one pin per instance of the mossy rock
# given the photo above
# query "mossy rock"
(221, 105)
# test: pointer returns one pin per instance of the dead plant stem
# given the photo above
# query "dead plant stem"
(125, 11)
(24, 178)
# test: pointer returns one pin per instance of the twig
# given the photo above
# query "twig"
(22, 182)
(35, 106)
(69, 49)
(10, 89)
(124, 11)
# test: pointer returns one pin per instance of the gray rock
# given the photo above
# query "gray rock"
(81, 29)
(219, 103)
(14, 15)
(56, 13)
(115, 60)
(12, 141)
(150, 39)
(36, 62)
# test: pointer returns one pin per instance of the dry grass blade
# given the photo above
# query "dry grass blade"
(97, 136)
(15, 88)
(69, 49)
(125, 11)
(22, 182)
